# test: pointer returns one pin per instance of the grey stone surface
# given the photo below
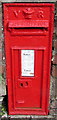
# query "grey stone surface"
(2, 80)
(29, 118)
(28, 0)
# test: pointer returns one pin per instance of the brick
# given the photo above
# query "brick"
(0, 69)
(0, 44)
(55, 44)
(56, 29)
(1, 39)
(3, 69)
(52, 44)
(0, 25)
(56, 6)
(52, 90)
(0, 55)
(0, 9)
(3, 60)
(56, 89)
(56, 113)
(55, 59)
(0, 32)
(53, 104)
(0, 17)
(52, 112)
(54, 71)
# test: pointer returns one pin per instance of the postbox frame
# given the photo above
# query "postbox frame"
(44, 109)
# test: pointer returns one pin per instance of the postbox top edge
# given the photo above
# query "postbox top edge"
(29, 4)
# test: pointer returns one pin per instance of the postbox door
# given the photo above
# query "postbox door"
(28, 58)
(27, 86)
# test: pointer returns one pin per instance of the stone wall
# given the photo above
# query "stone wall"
(53, 83)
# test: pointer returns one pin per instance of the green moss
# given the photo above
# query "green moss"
(2, 110)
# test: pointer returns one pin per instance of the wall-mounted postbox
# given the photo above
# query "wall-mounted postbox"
(28, 29)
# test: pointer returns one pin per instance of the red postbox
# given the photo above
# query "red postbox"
(28, 29)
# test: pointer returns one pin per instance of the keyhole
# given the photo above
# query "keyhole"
(21, 84)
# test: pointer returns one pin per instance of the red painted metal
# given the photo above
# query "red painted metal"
(28, 26)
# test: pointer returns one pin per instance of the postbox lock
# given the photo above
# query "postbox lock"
(24, 84)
